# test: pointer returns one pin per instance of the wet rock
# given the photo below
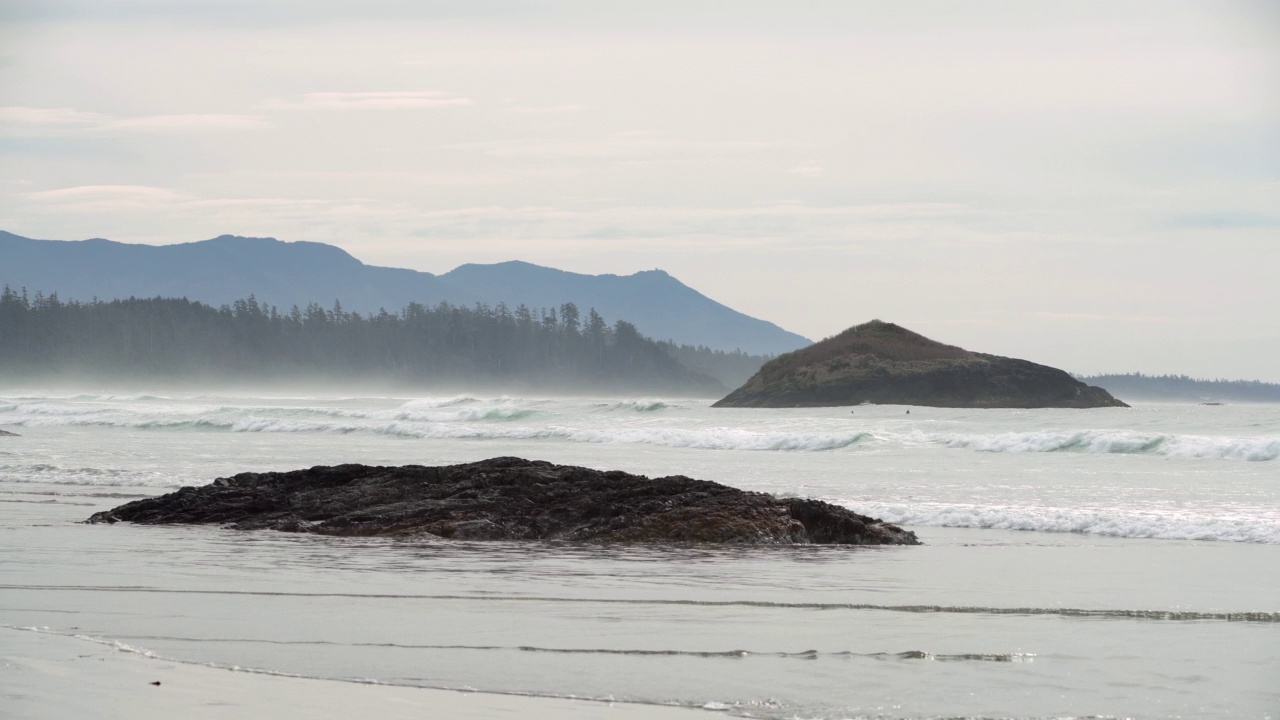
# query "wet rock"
(507, 499)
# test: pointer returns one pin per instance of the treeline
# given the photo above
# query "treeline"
(1182, 387)
(730, 368)
(176, 339)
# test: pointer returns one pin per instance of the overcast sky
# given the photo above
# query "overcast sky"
(1092, 185)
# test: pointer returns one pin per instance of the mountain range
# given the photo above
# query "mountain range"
(228, 268)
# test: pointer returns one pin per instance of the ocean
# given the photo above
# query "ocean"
(1107, 563)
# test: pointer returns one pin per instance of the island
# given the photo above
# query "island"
(885, 364)
(507, 498)
(5, 433)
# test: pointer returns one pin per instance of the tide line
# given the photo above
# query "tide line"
(1124, 614)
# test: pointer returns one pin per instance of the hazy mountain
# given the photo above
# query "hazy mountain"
(284, 274)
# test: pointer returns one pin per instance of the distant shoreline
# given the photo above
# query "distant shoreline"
(1181, 388)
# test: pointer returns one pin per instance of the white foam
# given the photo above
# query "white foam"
(441, 402)
(644, 406)
(56, 410)
(48, 474)
(1111, 521)
(1256, 449)
(447, 417)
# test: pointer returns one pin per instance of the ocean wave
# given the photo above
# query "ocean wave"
(440, 402)
(55, 409)
(1255, 449)
(704, 439)
(467, 414)
(643, 406)
(48, 474)
(143, 423)
(447, 417)
(719, 438)
(476, 424)
(1110, 522)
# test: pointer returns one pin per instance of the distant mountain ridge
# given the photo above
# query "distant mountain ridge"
(227, 268)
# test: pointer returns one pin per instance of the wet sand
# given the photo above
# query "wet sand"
(44, 675)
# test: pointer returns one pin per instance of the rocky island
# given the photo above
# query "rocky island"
(5, 433)
(885, 364)
(507, 498)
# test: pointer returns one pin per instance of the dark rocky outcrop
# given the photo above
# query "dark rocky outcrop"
(4, 433)
(507, 499)
(884, 364)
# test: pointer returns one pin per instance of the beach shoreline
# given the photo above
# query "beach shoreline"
(48, 675)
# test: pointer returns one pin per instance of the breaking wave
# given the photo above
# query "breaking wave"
(1110, 522)
(641, 421)
(457, 418)
(1256, 449)
(432, 403)
(642, 406)
(49, 474)
(706, 439)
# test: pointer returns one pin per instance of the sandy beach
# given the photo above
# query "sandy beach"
(1073, 565)
(46, 675)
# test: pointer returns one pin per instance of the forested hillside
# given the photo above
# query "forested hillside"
(730, 368)
(1183, 388)
(176, 339)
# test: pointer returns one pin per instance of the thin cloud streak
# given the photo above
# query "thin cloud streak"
(617, 146)
(372, 100)
(543, 109)
(26, 121)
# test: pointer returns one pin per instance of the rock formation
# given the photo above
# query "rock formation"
(4, 433)
(507, 499)
(884, 364)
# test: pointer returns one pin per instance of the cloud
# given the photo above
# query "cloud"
(543, 109)
(27, 121)
(391, 100)
(624, 145)
(105, 197)
(190, 122)
(810, 169)
(840, 228)
(1114, 317)
(1223, 221)
(14, 115)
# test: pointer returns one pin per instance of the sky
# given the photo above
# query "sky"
(1091, 185)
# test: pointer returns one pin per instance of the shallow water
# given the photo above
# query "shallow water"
(1078, 563)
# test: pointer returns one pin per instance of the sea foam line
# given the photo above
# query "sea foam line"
(1256, 449)
(641, 652)
(465, 417)
(1109, 522)
(1104, 613)
(715, 438)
